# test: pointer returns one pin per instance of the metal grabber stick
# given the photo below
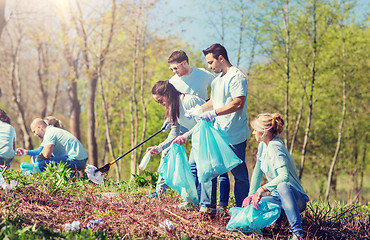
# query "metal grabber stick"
(106, 167)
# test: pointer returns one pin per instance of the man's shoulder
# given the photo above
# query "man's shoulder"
(236, 71)
(202, 71)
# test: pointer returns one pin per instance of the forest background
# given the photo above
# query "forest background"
(92, 64)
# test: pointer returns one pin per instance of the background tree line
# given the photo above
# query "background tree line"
(92, 64)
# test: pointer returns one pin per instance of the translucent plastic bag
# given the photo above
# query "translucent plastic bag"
(175, 169)
(249, 219)
(215, 157)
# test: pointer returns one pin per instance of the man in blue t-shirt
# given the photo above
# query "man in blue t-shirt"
(59, 146)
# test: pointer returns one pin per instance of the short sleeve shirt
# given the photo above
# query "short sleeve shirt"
(195, 83)
(7, 139)
(65, 144)
(224, 89)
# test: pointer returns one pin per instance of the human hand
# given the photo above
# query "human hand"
(209, 116)
(247, 201)
(180, 140)
(256, 197)
(20, 152)
(194, 112)
(154, 150)
(165, 126)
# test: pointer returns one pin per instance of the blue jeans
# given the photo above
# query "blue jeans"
(5, 162)
(71, 163)
(241, 188)
(292, 202)
(224, 184)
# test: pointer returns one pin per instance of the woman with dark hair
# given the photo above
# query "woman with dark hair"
(176, 104)
(274, 160)
(7, 140)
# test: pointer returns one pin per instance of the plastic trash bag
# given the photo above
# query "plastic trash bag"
(249, 219)
(175, 169)
(95, 223)
(29, 169)
(95, 177)
(74, 226)
(167, 225)
(215, 156)
(145, 160)
(4, 185)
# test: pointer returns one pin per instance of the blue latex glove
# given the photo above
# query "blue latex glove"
(209, 116)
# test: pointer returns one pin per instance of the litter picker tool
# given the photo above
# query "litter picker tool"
(106, 167)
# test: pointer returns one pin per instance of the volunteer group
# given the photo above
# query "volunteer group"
(185, 98)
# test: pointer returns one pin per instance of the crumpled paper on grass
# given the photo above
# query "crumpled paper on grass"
(74, 226)
(167, 225)
(94, 177)
(4, 185)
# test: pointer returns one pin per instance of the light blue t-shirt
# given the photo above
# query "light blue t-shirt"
(224, 89)
(195, 83)
(7, 139)
(65, 144)
(274, 156)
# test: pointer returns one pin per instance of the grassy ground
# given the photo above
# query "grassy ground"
(39, 207)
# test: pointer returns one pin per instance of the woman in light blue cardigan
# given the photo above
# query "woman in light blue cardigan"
(274, 160)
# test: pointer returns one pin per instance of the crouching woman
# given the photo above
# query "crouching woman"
(274, 160)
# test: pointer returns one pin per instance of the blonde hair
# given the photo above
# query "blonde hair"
(273, 123)
(53, 121)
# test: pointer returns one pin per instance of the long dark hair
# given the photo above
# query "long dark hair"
(4, 117)
(164, 88)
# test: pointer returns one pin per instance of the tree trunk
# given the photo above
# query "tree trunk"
(241, 32)
(287, 69)
(360, 193)
(2, 15)
(297, 123)
(42, 73)
(313, 79)
(91, 137)
(144, 103)
(107, 129)
(75, 108)
(340, 129)
(16, 87)
(133, 103)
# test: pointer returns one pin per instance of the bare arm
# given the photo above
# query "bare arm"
(235, 105)
(207, 106)
(47, 151)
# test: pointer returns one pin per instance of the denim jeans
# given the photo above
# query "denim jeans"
(5, 162)
(71, 163)
(292, 202)
(224, 184)
(241, 188)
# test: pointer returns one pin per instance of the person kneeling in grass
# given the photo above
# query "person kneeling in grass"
(274, 160)
(59, 146)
